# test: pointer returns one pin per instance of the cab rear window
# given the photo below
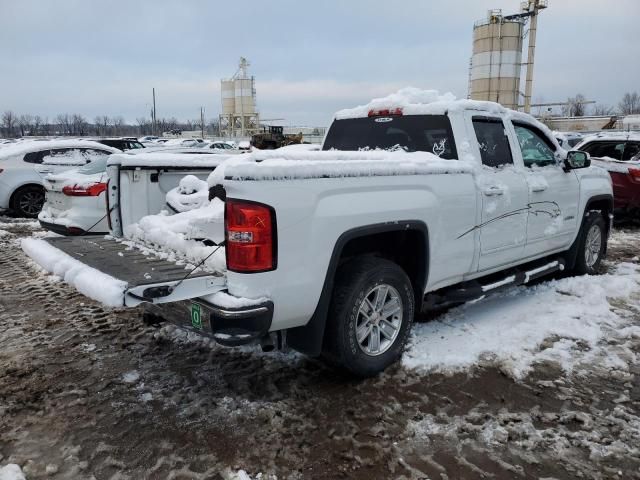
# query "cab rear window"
(411, 133)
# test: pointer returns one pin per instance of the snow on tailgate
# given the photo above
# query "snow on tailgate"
(88, 281)
(276, 165)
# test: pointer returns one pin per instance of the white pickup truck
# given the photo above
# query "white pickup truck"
(412, 204)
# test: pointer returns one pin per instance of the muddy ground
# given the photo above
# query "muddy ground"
(87, 392)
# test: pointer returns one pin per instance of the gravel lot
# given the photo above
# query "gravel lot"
(88, 392)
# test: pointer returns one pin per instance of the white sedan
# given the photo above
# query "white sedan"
(76, 200)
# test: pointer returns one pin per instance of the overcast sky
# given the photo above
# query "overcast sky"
(309, 58)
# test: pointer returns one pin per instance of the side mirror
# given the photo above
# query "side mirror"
(576, 159)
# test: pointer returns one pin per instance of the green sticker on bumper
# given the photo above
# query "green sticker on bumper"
(196, 316)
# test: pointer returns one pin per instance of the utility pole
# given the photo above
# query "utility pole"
(534, 7)
(153, 118)
(202, 121)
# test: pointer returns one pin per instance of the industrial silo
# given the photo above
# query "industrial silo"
(239, 115)
(497, 59)
(228, 97)
(245, 100)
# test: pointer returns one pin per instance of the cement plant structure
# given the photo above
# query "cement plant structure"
(496, 62)
(239, 117)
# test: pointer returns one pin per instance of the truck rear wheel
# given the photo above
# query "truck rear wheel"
(592, 243)
(370, 316)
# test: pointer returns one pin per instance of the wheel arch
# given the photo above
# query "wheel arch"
(26, 184)
(378, 240)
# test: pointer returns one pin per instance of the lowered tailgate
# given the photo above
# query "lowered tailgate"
(116, 274)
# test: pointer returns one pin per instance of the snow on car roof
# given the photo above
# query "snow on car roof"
(27, 146)
(612, 135)
(169, 159)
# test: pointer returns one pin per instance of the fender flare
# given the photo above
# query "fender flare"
(308, 338)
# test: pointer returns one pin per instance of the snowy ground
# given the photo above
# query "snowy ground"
(538, 382)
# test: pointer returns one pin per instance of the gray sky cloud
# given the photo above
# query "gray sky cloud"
(309, 58)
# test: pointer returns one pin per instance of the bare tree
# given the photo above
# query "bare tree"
(8, 122)
(144, 124)
(630, 103)
(603, 110)
(80, 124)
(64, 124)
(37, 124)
(575, 106)
(118, 123)
(24, 124)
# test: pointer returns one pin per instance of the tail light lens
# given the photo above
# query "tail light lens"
(634, 173)
(84, 191)
(250, 230)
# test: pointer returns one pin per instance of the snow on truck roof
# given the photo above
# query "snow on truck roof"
(414, 101)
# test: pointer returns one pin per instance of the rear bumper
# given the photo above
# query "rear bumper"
(65, 230)
(230, 327)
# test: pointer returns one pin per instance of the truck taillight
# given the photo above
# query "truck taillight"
(92, 190)
(250, 230)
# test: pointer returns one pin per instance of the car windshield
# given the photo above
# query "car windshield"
(425, 133)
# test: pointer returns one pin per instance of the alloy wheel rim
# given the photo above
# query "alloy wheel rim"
(379, 320)
(31, 202)
(592, 246)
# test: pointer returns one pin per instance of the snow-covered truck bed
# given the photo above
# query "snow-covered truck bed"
(139, 183)
(119, 274)
(416, 200)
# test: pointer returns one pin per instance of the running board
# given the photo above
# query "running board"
(475, 290)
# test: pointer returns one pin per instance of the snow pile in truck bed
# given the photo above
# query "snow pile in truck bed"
(276, 165)
(88, 281)
(561, 321)
(174, 237)
(190, 193)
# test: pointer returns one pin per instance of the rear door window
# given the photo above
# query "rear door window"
(492, 141)
(36, 157)
(606, 149)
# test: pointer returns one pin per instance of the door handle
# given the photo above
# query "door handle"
(538, 188)
(492, 191)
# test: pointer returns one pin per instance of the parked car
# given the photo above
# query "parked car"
(23, 168)
(148, 138)
(182, 142)
(619, 154)
(568, 140)
(408, 207)
(218, 145)
(75, 200)
(121, 143)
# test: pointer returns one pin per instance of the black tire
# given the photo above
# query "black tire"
(27, 201)
(585, 264)
(358, 279)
